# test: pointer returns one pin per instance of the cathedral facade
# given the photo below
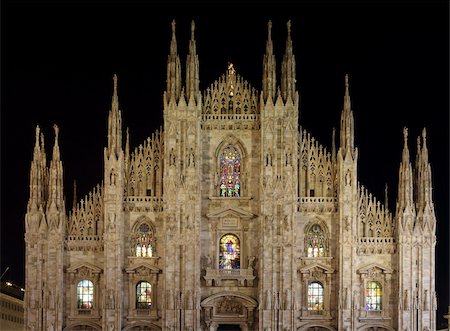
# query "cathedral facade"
(232, 217)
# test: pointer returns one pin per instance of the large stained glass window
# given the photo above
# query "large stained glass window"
(315, 296)
(316, 242)
(143, 295)
(373, 296)
(229, 252)
(144, 241)
(85, 294)
(230, 171)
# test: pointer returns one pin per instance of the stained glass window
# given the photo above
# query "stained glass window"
(230, 171)
(144, 241)
(85, 294)
(229, 252)
(143, 295)
(315, 296)
(373, 296)
(316, 242)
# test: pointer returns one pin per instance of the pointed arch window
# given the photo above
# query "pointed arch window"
(315, 296)
(230, 172)
(143, 295)
(229, 252)
(373, 296)
(316, 242)
(85, 294)
(144, 241)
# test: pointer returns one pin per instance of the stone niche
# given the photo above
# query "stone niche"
(234, 221)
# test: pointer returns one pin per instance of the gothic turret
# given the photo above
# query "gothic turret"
(192, 69)
(269, 82)
(173, 90)
(288, 79)
(114, 126)
(347, 125)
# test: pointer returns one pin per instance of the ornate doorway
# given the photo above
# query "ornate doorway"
(229, 311)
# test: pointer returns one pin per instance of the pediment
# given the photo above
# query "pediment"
(374, 266)
(143, 268)
(243, 299)
(310, 267)
(85, 266)
(226, 212)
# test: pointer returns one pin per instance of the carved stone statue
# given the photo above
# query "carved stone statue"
(251, 262)
(406, 300)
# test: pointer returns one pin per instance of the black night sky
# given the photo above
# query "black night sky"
(58, 59)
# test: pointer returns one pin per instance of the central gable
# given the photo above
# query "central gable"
(231, 95)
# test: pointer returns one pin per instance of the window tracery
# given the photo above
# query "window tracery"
(230, 171)
(143, 241)
(229, 252)
(316, 242)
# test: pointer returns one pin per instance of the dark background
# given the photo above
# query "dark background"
(58, 58)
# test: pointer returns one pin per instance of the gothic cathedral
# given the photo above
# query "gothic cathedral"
(232, 217)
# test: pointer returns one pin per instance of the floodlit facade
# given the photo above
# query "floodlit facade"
(232, 217)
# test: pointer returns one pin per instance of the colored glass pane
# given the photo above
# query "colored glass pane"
(229, 252)
(143, 295)
(373, 296)
(230, 171)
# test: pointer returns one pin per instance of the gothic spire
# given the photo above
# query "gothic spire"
(37, 174)
(347, 125)
(55, 183)
(192, 68)
(405, 201)
(269, 68)
(424, 183)
(114, 124)
(173, 69)
(288, 79)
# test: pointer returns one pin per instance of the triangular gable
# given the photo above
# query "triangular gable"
(307, 268)
(231, 211)
(91, 267)
(134, 268)
(367, 268)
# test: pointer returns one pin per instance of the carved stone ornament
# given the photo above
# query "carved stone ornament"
(229, 306)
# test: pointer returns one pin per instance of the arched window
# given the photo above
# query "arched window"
(143, 295)
(315, 296)
(373, 296)
(144, 241)
(316, 242)
(85, 294)
(230, 172)
(229, 252)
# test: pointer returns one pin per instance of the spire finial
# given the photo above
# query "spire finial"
(269, 30)
(386, 200)
(192, 30)
(74, 202)
(405, 135)
(173, 28)
(55, 127)
(346, 85)
(288, 24)
(115, 84)
(424, 135)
